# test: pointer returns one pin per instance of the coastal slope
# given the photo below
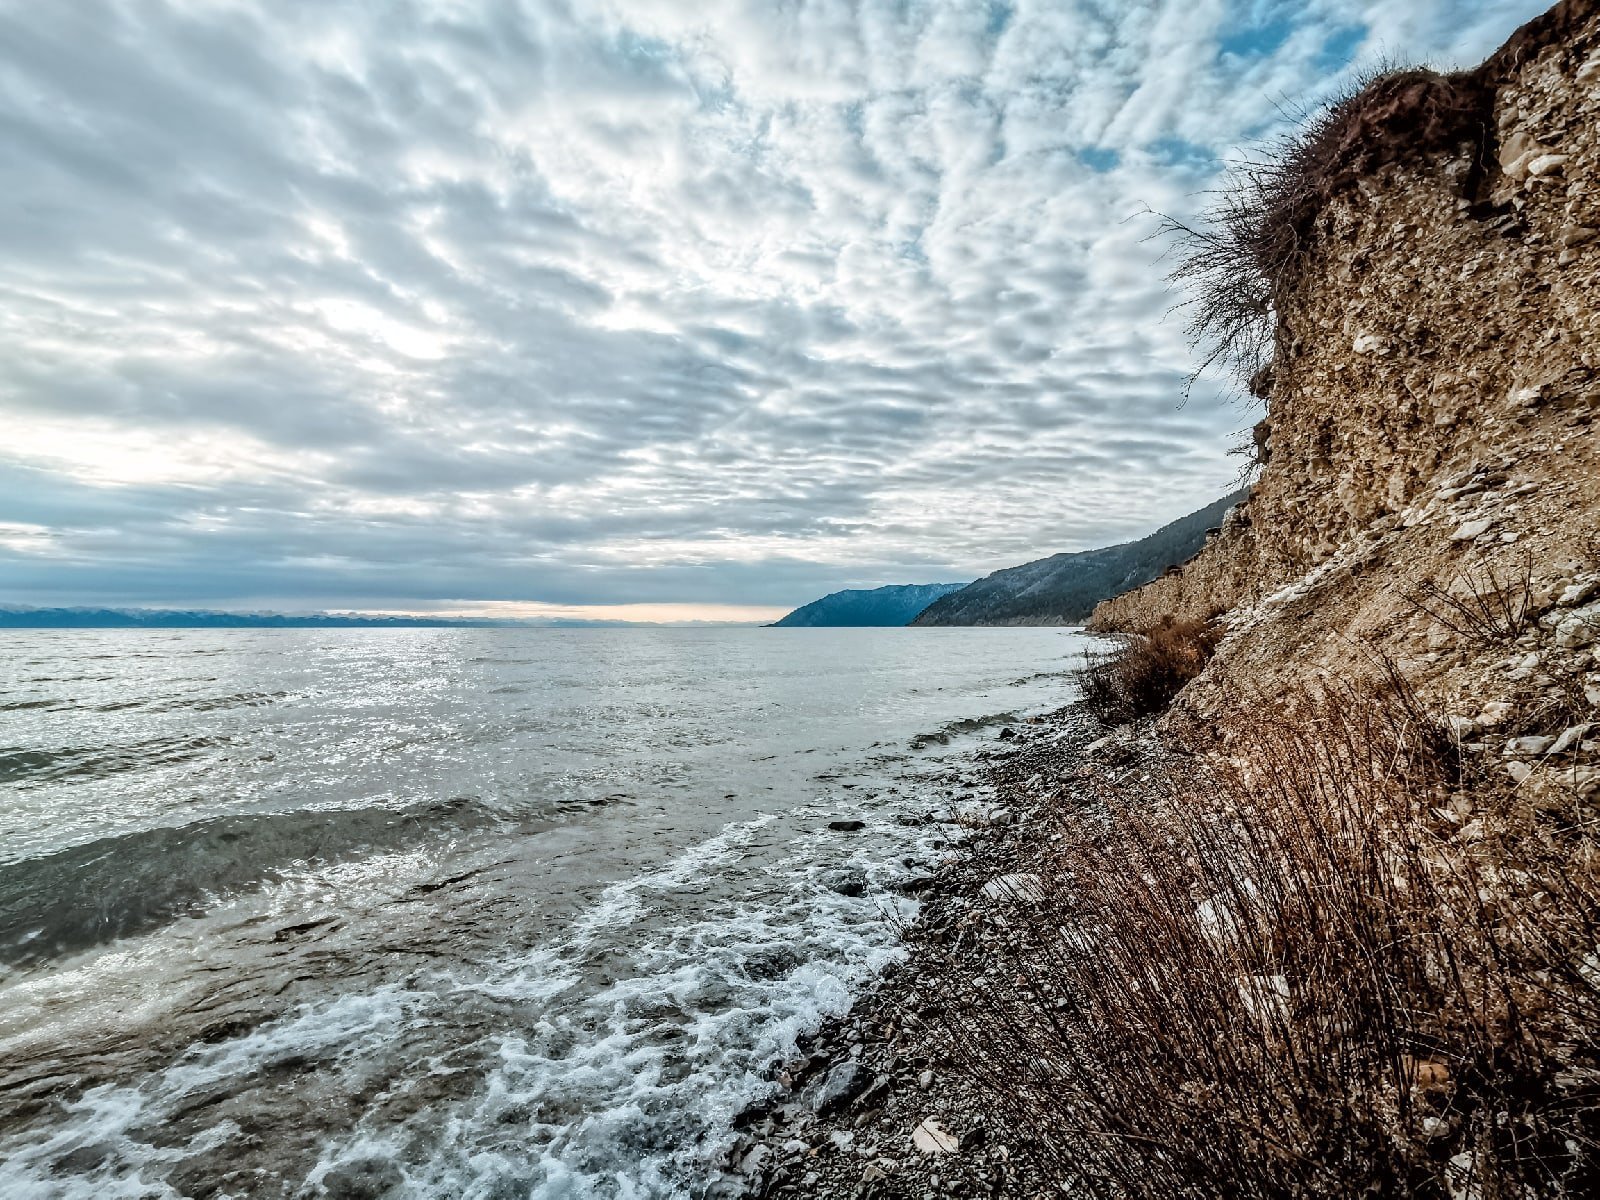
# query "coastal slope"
(1325, 924)
(1429, 456)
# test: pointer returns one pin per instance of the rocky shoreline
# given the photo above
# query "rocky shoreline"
(878, 1103)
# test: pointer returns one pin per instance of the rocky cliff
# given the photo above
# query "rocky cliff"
(1429, 491)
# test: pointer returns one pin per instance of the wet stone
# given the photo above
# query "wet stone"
(363, 1179)
(849, 881)
(841, 1085)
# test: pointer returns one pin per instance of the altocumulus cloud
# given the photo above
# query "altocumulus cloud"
(418, 304)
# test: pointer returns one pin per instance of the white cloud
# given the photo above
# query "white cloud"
(632, 301)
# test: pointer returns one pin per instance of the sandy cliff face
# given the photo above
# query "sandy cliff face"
(1430, 439)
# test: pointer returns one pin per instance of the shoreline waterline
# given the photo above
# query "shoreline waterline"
(556, 999)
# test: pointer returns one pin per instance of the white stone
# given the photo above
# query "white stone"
(1547, 164)
(1589, 969)
(1463, 1178)
(1522, 668)
(1369, 343)
(1265, 996)
(1571, 738)
(1579, 629)
(1519, 771)
(1527, 747)
(1472, 529)
(983, 814)
(1517, 149)
(1018, 886)
(1217, 920)
(1589, 72)
(932, 1138)
(1495, 712)
(1577, 593)
(1518, 168)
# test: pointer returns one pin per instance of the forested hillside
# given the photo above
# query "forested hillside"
(1064, 588)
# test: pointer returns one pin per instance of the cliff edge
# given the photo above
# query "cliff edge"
(1429, 490)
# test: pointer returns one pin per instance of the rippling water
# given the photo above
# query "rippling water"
(486, 913)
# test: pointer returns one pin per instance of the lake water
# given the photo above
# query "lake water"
(452, 912)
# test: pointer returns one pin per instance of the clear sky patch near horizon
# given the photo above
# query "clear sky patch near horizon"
(536, 307)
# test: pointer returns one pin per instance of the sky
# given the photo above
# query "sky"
(678, 309)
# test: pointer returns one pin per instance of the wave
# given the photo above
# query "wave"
(190, 704)
(945, 733)
(20, 765)
(88, 895)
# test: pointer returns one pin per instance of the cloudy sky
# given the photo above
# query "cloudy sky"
(525, 306)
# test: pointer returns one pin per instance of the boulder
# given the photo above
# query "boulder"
(362, 1179)
(846, 881)
(1579, 628)
(841, 1085)
(1472, 529)
(1578, 593)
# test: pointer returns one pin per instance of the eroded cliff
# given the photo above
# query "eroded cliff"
(1430, 491)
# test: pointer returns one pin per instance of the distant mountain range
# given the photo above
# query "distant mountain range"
(1064, 588)
(171, 618)
(892, 605)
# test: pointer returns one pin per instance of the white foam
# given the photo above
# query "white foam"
(625, 1088)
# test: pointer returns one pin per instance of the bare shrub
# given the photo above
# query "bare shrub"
(1144, 672)
(1484, 604)
(1312, 969)
(1241, 258)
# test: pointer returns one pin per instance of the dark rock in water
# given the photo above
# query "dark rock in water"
(849, 881)
(363, 1179)
(915, 885)
(774, 962)
(850, 826)
(1007, 734)
(841, 1085)
(755, 1159)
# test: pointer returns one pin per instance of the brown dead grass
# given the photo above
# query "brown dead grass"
(1144, 672)
(1315, 968)
(1239, 261)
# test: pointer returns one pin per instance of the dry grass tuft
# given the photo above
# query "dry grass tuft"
(1485, 605)
(1315, 968)
(1238, 262)
(1144, 673)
